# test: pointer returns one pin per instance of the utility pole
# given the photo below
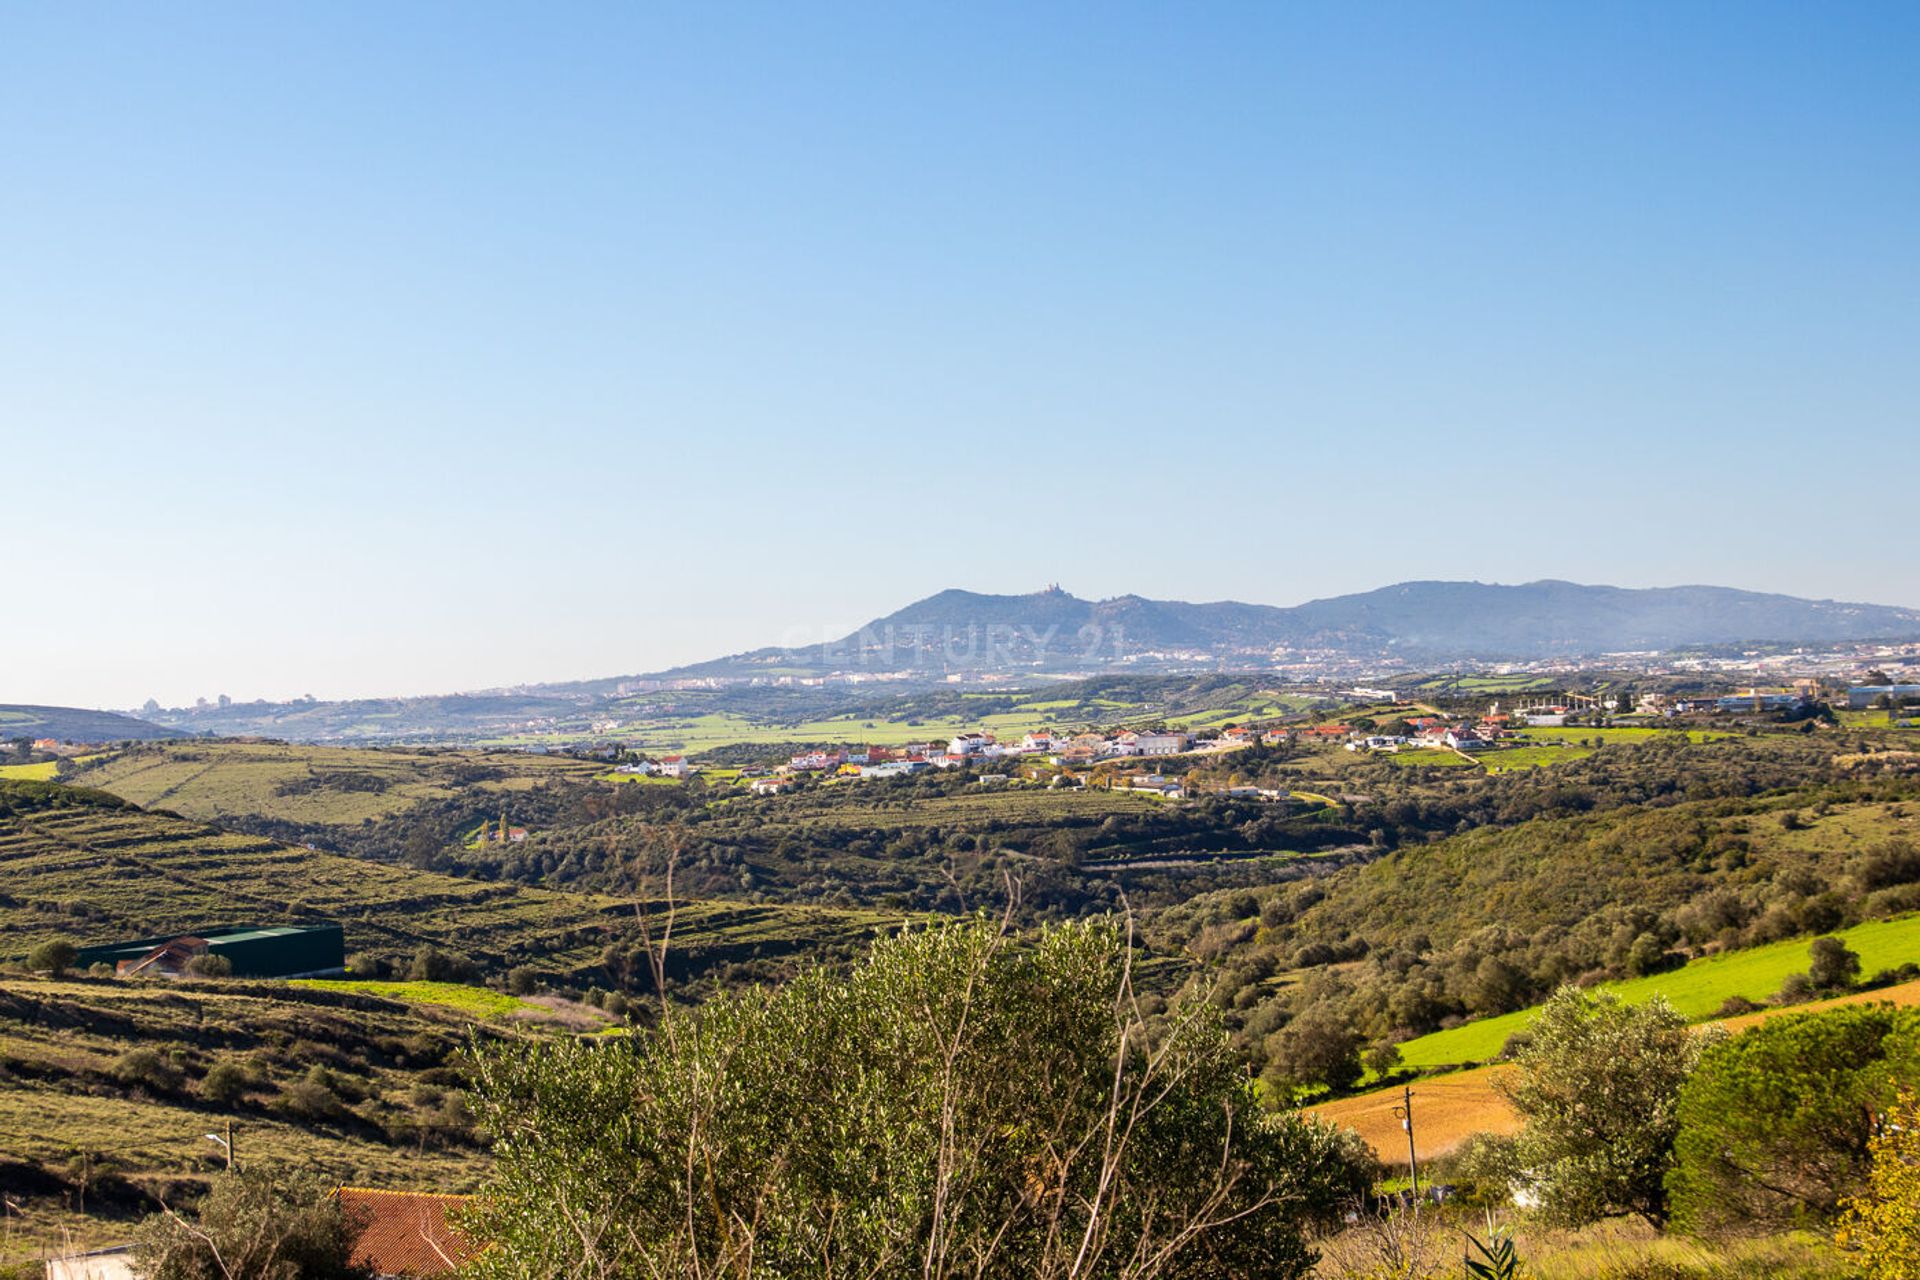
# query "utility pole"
(1405, 1112)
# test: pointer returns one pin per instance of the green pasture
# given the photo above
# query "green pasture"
(1425, 757)
(1696, 990)
(42, 772)
(478, 1002)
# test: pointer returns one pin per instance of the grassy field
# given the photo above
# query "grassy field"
(1448, 1108)
(42, 772)
(475, 1002)
(1696, 990)
(1530, 757)
(1624, 734)
(99, 875)
(314, 786)
(1426, 758)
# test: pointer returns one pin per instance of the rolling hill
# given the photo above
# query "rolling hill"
(77, 724)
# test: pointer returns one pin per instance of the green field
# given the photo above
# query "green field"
(1426, 758)
(42, 772)
(1499, 761)
(475, 1002)
(1696, 990)
(1576, 734)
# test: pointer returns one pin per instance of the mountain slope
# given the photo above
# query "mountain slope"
(1052, 630)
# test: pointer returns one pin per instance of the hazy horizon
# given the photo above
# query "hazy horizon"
(356, 350)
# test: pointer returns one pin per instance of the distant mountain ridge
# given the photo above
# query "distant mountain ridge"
(1417, 621)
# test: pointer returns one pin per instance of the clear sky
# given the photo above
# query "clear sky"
(367, 348)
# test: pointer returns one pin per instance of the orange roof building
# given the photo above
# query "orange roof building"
(406, 1233)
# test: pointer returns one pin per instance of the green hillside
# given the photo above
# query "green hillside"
(309, 786)
(1696, 990)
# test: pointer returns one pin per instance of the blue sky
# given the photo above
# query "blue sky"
(368, 348)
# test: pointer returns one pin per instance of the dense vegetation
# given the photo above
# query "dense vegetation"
(1634, 860)
(957, 1106)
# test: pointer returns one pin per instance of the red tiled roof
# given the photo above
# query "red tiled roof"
(406, 1233)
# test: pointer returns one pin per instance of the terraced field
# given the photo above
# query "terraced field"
(82, 1125)
(95, 874)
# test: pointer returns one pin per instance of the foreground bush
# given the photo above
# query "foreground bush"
(1775, 1122)
(266, 1223)
(958, 1106)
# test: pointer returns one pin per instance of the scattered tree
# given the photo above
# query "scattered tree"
(1834, 966)
(1598, 1088)
(1319, 1047)
(54, 957)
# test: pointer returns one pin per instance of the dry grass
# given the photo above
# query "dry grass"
(1430, 1245)
(1446, 1109)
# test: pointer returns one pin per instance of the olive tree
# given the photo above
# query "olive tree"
(1598, 1087)
(960, 1105)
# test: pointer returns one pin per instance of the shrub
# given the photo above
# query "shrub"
(430, 964)
(367, 968)
(54, 957)
(144, 1068)
(225, 1084)
(264, 1223)
(1798, 988)
(522, 982)
(210, 966)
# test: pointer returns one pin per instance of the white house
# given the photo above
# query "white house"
(672, 767)
(1162, 744)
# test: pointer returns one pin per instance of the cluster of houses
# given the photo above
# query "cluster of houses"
(1436, 733)
(977, 748)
